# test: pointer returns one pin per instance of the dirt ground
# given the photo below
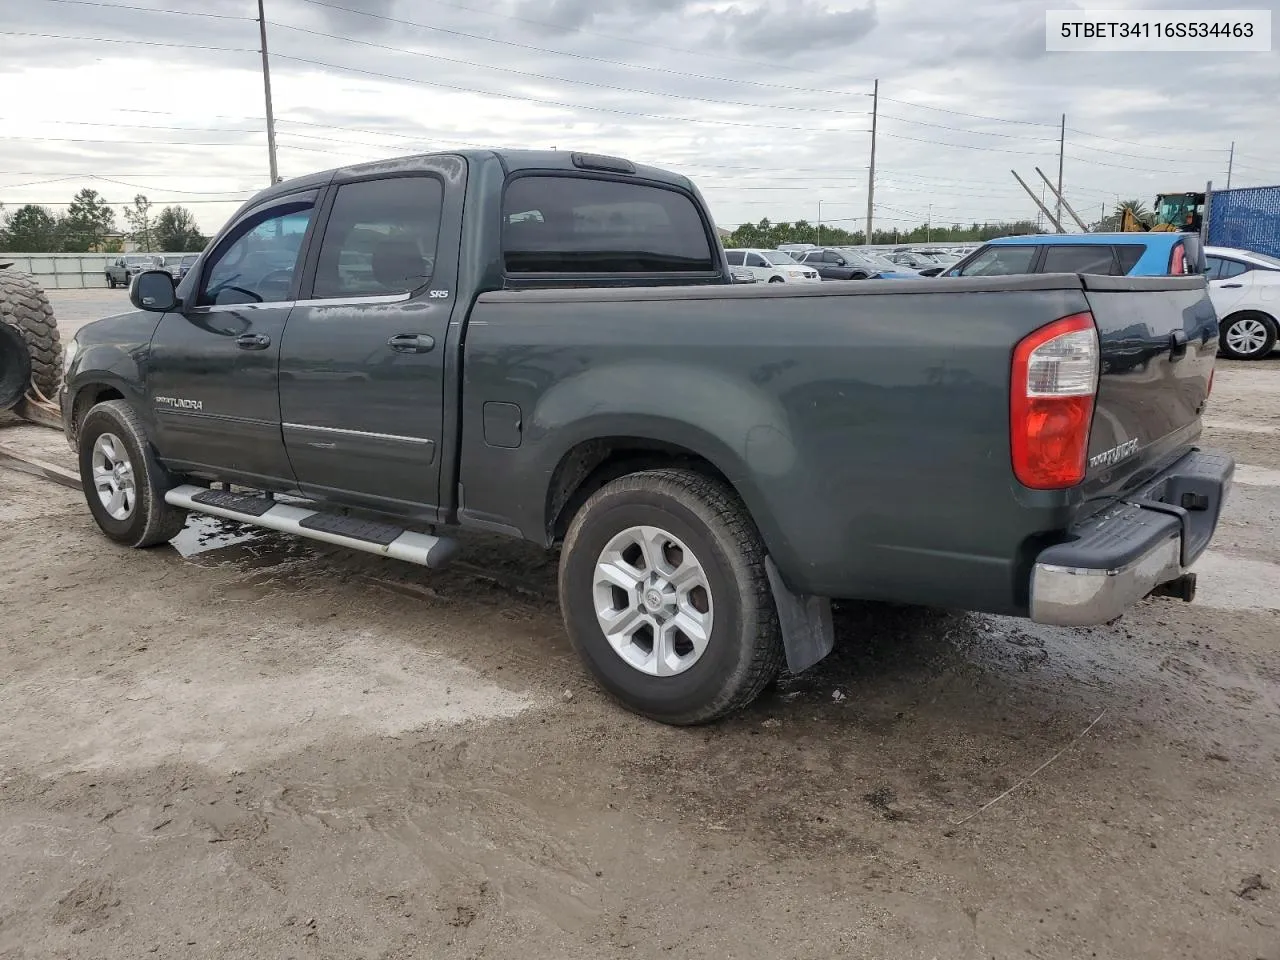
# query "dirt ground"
(245, 745)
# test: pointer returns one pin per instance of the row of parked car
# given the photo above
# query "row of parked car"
(1244, 286)
(121, 271)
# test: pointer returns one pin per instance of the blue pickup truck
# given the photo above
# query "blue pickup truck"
(1108, 254)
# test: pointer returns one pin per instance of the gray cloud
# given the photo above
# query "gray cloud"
(785, 28)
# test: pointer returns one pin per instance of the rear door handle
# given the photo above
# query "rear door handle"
(1231, 286)
(412, 343)
(253, 341)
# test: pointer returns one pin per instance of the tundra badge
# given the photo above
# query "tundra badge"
(1109, 458)
(179, 404)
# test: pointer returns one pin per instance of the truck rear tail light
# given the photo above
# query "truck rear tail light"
(1054, 382)
(1178, 260)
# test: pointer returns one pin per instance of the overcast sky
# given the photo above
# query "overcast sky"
(765, 103)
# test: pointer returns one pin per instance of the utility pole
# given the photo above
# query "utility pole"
(1102, 221)
(1231, 162)
(819, 223)
(1062, 202)
(928, 226)
(1036, 200)
(266, 86)
(1062, 143)
(871, 178)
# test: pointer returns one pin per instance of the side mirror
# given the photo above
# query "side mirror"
(841, 262)
(154, 290)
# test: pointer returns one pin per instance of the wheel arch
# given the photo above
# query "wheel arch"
(593, 461)
(84, 395)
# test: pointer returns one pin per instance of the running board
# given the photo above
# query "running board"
(384, 539)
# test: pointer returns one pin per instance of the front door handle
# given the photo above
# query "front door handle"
(253, 341)
(1231, 286)
(1177, 345)
(412, 343)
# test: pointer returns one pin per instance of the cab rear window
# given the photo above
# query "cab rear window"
(563, 224)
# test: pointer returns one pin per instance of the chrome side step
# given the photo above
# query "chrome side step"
(383, 539)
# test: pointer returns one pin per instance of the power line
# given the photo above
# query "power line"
(586, 83)
(1042, 123)
(132, 126)
(1150, 146)
(983, 133)
(147, 43)
(556, 103)
(163, 143)
(125, 6)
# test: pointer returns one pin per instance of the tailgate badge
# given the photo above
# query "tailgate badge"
(1109, 458)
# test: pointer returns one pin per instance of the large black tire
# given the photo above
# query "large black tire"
(743, 651)
(24, 307)
(149, 521)
(1254, 334)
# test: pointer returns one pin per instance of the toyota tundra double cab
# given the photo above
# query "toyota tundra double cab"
(547, 345)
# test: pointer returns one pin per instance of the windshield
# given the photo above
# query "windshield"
(777, 258)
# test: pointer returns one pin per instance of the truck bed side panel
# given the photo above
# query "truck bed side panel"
(864, 424)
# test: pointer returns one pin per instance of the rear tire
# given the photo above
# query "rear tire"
(638, 531)
(124, 484)
(1248, 336)
(776, 280)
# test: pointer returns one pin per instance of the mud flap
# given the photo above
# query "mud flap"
(807, 631)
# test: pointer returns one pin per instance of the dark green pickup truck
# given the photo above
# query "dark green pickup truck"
(548, 345)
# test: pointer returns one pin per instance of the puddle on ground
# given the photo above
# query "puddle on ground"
(209, 540)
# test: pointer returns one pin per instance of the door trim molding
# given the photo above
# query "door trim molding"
(421, 441)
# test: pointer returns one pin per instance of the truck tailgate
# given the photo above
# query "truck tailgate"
(1158, 338)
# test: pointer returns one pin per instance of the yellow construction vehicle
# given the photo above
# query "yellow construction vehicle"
(1174, 212)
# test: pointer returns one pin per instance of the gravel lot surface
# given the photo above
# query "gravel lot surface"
(246, 745)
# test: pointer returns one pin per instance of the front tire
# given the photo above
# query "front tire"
(1248, 336)
(776, 280)
(124, 485)
(665, 597)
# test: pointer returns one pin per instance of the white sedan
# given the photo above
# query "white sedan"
(772, 266)
(1245, 290)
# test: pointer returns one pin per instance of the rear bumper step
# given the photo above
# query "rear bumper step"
(383, 539)
(1134, 547)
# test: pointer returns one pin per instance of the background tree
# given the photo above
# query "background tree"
(88, 221)
(141, 224)
(176, 231)
(31, 229)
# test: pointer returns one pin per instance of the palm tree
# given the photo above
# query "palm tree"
(1136, 207)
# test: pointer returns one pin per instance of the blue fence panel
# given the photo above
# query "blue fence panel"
(1247, 219)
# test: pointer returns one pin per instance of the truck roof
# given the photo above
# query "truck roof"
(1051, 239)
(512, 160)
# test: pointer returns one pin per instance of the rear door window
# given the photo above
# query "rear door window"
(562, 224)
(1232, 268)
(380, 239)
(1128, 255)
(1002, 261)
(1079, 258)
